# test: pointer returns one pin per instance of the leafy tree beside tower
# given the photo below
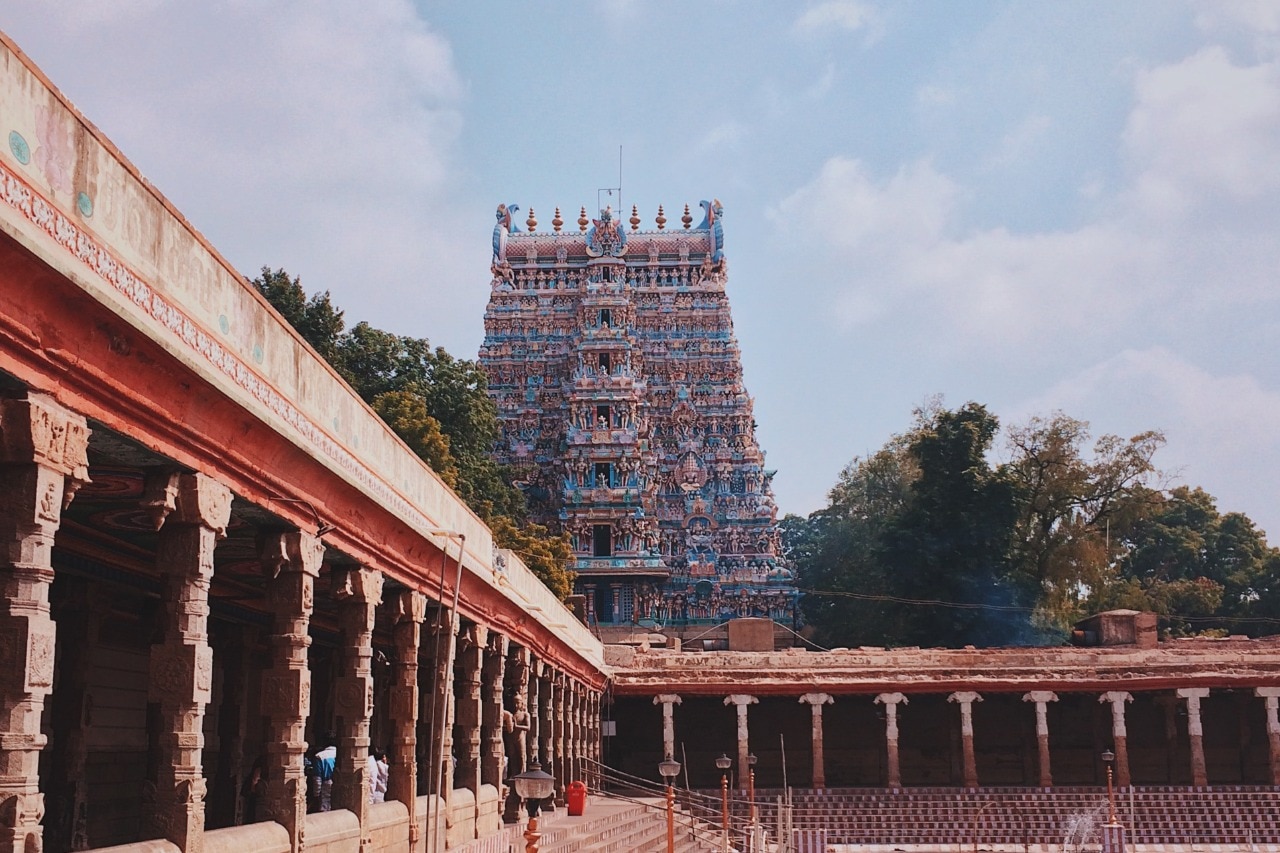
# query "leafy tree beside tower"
(437, 405)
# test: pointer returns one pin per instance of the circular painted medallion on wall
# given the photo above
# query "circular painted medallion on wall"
(21, 150)
(84, 204)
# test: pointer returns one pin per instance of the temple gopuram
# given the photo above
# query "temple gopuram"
(611, 357)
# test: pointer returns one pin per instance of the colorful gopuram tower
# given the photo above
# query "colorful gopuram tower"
(611, 357)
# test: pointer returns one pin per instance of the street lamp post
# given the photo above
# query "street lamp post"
(533, 786)
(724, 762)
(670, 769)
(1113, 832)
(1107, 757)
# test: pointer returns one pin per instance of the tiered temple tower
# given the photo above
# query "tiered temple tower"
(611, 357)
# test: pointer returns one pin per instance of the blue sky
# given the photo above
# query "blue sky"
(1038, 206)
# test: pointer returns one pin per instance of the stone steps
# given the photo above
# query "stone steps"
(619, 826)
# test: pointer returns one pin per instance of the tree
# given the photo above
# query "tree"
(952, 539)
(316, 319)
(1073, 508)
(545, 554)
(439, 407)
(407, 414)
(835, 551)
(1201, 569)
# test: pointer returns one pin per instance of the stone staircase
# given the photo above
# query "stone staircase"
(612, 825)
(1235, 816)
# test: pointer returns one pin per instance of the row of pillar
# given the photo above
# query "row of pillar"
(965, 701)
(43, 461)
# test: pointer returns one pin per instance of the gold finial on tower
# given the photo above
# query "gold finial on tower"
(686, 219)
(532, 221)
(582, 220)
(661, 220)
(556, 221)
(635, 219)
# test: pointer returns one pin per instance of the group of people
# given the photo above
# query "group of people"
(318, 767)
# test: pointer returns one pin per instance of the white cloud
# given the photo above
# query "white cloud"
(1220, 428)
(1020, 140)
(894, 241)
(328, 127)
(1204, 128)
(1260, 18)
(724, 135)
(844, 207)
(839, 14)
(1185, 233)
(932, 97)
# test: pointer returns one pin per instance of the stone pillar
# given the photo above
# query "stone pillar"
(194, 511)
(815, 701)
(42, 463)
(668, 701)
(533, 746)
(471, 643)
(579, 740)
(1271, 696)
(358, 593)
(493, 757)
(78, 618)
(406, 641)
(594, 711)
(966, 698)
(1195, 730)
(437, 726)
(570, 729)
(742, 700)
(1042, 698)
(1117, 699)
(891, 702)
(291, 561)
(557, 741)
(546, 719)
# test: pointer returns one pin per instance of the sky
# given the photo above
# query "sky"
(1040, 206)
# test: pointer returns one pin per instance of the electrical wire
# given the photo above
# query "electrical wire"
(1010, 608)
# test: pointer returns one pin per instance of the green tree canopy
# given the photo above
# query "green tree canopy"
(439, 407)
(927, 542)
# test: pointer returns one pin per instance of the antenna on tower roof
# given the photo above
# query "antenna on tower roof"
(612, 193)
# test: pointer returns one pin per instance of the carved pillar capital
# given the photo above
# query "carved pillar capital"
(410, 606)
(34, 428)
(291, 551)
(1117, 698)
(817, 700)
(668, 699)
(195, 498)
